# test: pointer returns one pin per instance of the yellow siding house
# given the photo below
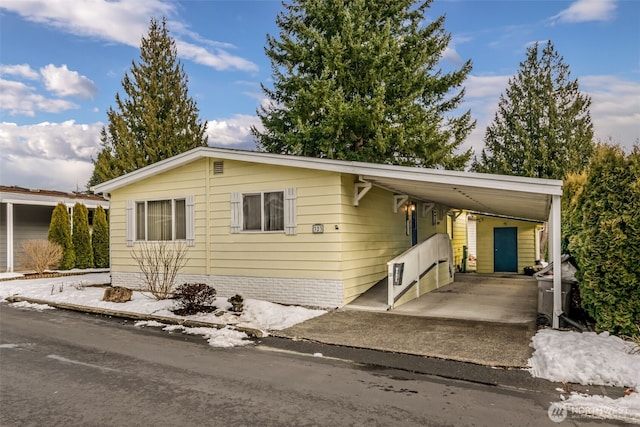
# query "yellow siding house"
(289, 229)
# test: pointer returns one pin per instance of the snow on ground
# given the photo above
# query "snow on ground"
(584, 358)
(589, 358)
(81, 290)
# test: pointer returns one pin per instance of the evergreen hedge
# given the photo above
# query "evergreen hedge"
(60, 233)
(82, 237)
(100, 238)
(607, 245)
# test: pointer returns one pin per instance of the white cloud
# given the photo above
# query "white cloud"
(21, 70)
(451, 55)
(64, 82)
(57, 156)
(45, 174)
(234, 132)
(66, 140)
(19, 98)
(53, 156)
(587, 10)
(221, 60)
(124, 22)
(615, 108)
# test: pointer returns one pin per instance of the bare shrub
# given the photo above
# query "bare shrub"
(194, 298)
(159, 264)
(40, 255)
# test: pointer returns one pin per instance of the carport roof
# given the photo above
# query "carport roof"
(520, 197)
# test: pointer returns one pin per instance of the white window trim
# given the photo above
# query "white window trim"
(132, 220)
(289, 211)
(261, 194)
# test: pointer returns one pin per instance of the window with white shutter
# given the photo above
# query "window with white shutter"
(264, 211)
(161, 220)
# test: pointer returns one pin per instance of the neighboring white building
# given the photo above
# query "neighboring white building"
(25, 214)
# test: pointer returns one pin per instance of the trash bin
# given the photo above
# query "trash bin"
(545, 288)
(545, 297)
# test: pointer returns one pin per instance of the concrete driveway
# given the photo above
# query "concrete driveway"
(484, 298)
(483, 319)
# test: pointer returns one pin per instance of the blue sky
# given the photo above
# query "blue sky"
(62, 62)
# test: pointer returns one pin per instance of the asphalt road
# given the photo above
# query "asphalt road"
(60, 368)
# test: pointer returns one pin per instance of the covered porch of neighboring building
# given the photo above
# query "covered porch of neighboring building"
(25, 214)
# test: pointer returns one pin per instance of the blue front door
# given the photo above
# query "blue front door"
(505, 249)
(414, 226)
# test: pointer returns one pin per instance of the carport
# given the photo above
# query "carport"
(517, 197)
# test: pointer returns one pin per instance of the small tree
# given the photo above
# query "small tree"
(82, 237)
(60, 233)
(40, 255)
(159, 264)
(100, 238)
(607, 247)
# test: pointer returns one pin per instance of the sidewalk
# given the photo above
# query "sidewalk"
(483, 343)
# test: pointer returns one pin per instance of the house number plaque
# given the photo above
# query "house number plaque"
(317, 228)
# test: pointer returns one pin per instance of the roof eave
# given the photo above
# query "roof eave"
(468, 179)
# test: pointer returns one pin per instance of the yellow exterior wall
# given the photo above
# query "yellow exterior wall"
(255, 254)
(484, 245)
(372, 234)
(176, 183)
(354, 248)
(457, 230)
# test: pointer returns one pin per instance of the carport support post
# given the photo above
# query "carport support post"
(556, 255)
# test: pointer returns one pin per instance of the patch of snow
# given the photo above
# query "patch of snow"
(9, 346)
(10, 275)
(589, 358)
(268, 315)
(625, 408)
(584, 358)
(225, 337)
(149, 323)
(31, 306)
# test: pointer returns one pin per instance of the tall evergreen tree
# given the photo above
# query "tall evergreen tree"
(100, 238)
(60, 233)
(157, 119)
(543, 126)
(360, 80)
(607, 243)
(81, 237)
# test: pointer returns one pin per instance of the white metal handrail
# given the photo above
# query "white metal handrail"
(406, 270)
